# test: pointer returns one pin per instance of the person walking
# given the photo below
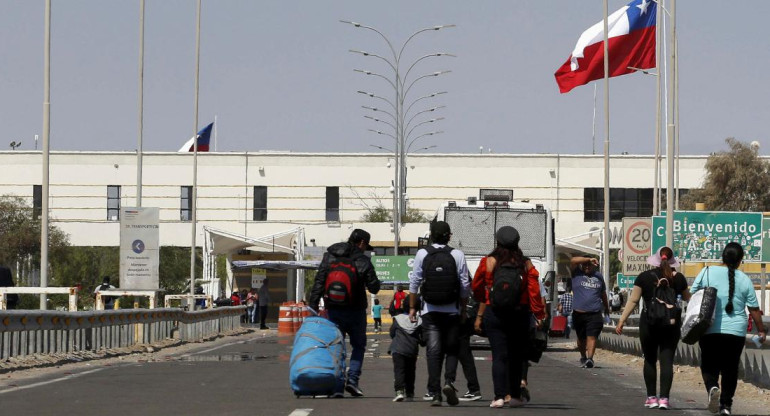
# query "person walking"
(264, 302)
(465, 356)
(589, 298)
(107, 301)
(406, 338)
(507, 287)
(344, 275)
(440, 274)
(659, 339)
(722, 345)
(377, 315)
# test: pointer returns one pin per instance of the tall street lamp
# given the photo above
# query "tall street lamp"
(401, 84)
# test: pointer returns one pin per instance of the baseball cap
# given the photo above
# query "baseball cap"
(507, 236)
(359, 235)
(440, 228)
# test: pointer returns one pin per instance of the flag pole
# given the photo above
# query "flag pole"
(606, 242)
(46, 153)
(593, 126)
(195, 158)
(671, 132)
(675, 68)
(659, 83)
(141, 106)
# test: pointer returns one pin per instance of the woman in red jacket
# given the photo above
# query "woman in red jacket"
(506, 321)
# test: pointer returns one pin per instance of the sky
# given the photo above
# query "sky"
(278, 75)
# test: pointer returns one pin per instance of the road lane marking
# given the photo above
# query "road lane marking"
(43, 383)
(300, 412)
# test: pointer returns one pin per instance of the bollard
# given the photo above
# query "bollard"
(295, 317)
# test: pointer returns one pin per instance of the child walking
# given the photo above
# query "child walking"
(404, 348)
(377, 315)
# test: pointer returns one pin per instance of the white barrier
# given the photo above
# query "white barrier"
(169, 298)
(152, 295)
(72, 292)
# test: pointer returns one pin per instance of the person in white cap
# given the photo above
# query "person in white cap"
(659, 338)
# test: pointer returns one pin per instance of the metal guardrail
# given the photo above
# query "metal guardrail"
(754, 361)
(33, 332)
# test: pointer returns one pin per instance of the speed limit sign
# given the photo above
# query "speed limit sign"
(637, 241)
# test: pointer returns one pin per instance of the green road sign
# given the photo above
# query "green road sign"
(393, 269)
(625, 282)
(701, 235)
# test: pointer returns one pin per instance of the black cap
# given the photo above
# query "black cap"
(507, 236)
(359, 235)
(440, 229)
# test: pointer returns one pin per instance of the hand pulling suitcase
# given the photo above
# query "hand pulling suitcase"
(558, 326)
(317, 366)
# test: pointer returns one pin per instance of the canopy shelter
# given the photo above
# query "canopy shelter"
(227, 243)
(276, 265)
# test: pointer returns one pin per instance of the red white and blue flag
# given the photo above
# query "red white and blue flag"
(203, 136)
(631, 37)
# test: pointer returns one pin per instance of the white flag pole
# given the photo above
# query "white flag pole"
(195, 159)
(606, 236)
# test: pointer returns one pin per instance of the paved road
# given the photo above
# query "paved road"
(248, 375)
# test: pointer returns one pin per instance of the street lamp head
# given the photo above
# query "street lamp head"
(439, 27)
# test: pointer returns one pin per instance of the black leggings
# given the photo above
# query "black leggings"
(508, 336)
(721, 354)
(658, 344)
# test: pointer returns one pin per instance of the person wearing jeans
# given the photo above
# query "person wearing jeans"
(350, 314)
(465, 358)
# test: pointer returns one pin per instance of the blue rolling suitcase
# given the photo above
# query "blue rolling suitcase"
(317, 366)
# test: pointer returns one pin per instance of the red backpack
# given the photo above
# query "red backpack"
(340, 282)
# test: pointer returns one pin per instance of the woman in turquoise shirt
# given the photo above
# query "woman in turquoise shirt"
(722, 345)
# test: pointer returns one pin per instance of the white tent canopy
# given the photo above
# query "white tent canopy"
(221, 242)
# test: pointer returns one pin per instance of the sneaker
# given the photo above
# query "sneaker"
(499, 403)
(714, 394)
(400, 396)
(525, 397)
(409, 397)
(427, 396)
(436, 401)
(583, 361)
(354, 390)
(589, 363)
(338, 395)
(663, 403)
(451, 394)
(470, 397)
(651, 402)
(516, 403)
(725, 410)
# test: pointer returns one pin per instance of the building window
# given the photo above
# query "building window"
(333, 203)
(113, 202)
(624, 202)
(37, 201)
(185, 204)
(260, 203)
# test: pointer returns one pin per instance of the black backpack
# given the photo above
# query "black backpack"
(662, 309)
(507, 287)
(105, 299)
(338, 290)
(441, 284)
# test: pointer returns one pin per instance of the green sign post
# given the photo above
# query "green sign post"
(625, 282)
(701, 235)
(393, 269)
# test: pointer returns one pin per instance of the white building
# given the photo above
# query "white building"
(261, 193)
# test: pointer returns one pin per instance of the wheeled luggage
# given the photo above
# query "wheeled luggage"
(558, 326)
(317, 366)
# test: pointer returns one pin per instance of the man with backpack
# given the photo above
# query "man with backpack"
(441, 277)
(342, 279)
(107, 301)
(616, 300)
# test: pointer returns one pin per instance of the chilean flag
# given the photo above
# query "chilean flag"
(203, 136)
(632, 44)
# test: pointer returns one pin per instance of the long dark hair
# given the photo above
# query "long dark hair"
(732, 256)
(511, 255)
(665, 268)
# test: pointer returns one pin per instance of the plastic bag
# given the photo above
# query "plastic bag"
(699, 315)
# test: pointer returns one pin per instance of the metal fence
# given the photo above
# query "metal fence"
(32, 332)
(753, 367)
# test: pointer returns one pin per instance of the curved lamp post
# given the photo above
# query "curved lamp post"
(401, 130)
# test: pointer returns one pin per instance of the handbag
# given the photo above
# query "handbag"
(700, 313)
